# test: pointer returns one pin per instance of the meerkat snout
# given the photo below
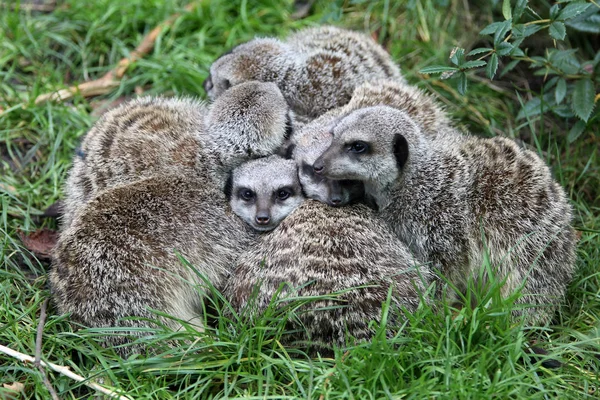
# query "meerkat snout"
(264, 191)
(208, 84)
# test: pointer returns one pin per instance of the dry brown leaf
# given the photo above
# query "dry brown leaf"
(16, 387)
(40, 242)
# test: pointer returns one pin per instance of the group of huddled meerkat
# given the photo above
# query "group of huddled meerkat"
(324, 115)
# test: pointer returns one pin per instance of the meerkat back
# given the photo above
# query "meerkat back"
(154, 136)
(318, 250)
(119, 257)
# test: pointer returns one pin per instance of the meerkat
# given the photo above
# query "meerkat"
(317, 69)
(119, 256)
(457, 202)
(156, 171)
(151, 136)
(264, 191)
(319, 250)
(309, 142)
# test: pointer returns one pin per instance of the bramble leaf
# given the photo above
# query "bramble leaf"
(572, 10)
(473, 64)
(478, 50)
(462, 83)
(506, 9)
(492, 66)
(560, 91)
(436, 69)
(558, 30)
(576, 131)
(583, 98)
(518, 10)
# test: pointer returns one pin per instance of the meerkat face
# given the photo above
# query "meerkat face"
(264, 191)
(368, 145)
(314, 140)
(258, 60)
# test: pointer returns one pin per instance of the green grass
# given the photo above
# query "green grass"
(474, 352)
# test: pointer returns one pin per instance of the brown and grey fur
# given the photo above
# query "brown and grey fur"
(455, 200)
(151, 184)
(264, 191)
(318, 250)
(151, 136)
(317, 69)
(118, 257)
(314, 138)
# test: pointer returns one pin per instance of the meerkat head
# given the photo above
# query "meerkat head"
(251, 120)
(313, 141)
(264, 191)
(262, 59)
(369, 145)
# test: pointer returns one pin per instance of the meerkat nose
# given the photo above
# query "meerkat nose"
(262, 219)
(336, 201)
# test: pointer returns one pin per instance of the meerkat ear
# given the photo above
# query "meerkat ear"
(400, 150)
(228, 186)
(289, 128)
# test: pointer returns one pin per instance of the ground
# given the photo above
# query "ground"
(474, 352)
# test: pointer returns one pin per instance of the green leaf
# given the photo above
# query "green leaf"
(492, 66)
(550, 84)
(531, 108)
(473, 64)
(583, 98)
(563, 111)
(561, 90)
(436, 69)
(517, 52)
(457, 56)
(559, 55)
(509, 67)
(576, 131)
(506, 10)
(518, 10)
(462, 83)
(531, 29)
(491, 28)
(554, 10)
(558, 30)
(504, 48)
(478, 50)
(590, 24)
(502, 31)
(572, 10)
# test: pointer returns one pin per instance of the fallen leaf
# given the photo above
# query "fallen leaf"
(40, 242)
(16, 387)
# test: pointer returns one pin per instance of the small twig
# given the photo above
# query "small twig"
(64, 371)
(112, 79)
(40, 330)
(38, 351)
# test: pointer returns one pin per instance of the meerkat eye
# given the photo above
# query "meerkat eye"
(284, 193)
(226, 84)
(358, 147)
(246, 194)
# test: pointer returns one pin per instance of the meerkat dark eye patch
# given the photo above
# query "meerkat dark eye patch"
(226, 84)
(228, 187)
(288, 154)
(246, 194)
(358, 147)
(400, 150)
(308, 170)
(284, 193)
